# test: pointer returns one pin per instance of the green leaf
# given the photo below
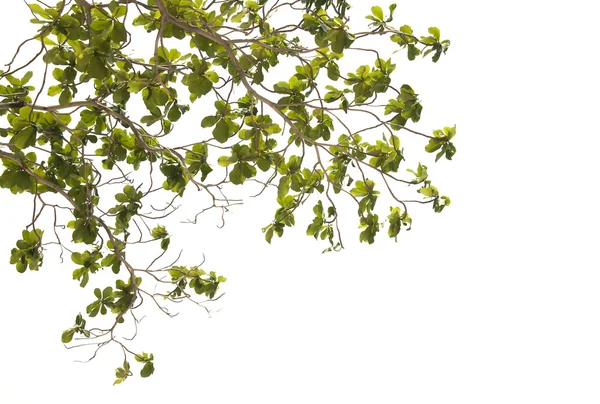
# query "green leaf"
(174, 113)
(148, 369)
(65, 97)
(430, 191)
(237, 18)
(377, 12)
(108, 260)
(129, 190)
(269, 234)
(120, 197)
(68, 21)
(13, 80)
(224, 161)
(37, 9)
(136, 86)
(406, 29)
(344, 105)
(212, 76)
(284, 186)
(392, 8)
(413, 51)
(118, 11)
(100, 25)
(107, 292)
(67, 335)
(450, 151)
(435, 32)
(263, 164)
(76, 258)
(441, 153)
(338, 43)
(236, 175)
(84, 279)
(96, 68)
(433, 145)
(54, 90)
(253, 5)
(333, 71)
(209, 121)
(221, 131)
(200, 87)
(24, 138)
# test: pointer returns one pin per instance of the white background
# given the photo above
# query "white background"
(493, 301)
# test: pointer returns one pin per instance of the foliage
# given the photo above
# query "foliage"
(74, 140)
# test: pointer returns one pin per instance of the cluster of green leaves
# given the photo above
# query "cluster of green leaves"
(322, 225)
(397, 218)
(441, 141)
(439, 202)
(196, 159)
(195, 278)
(327, 31)
(223, 122)
(79, 328)
(378, 18)
(15, 177)
(366, 82)
(338, 6)
(122, 373)
(89, 264)
(147, 370)
(104, 302)
(431, 44)
(293, 133)
(404, 107)
(28, 253)
(130, 203)
(160, 233)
